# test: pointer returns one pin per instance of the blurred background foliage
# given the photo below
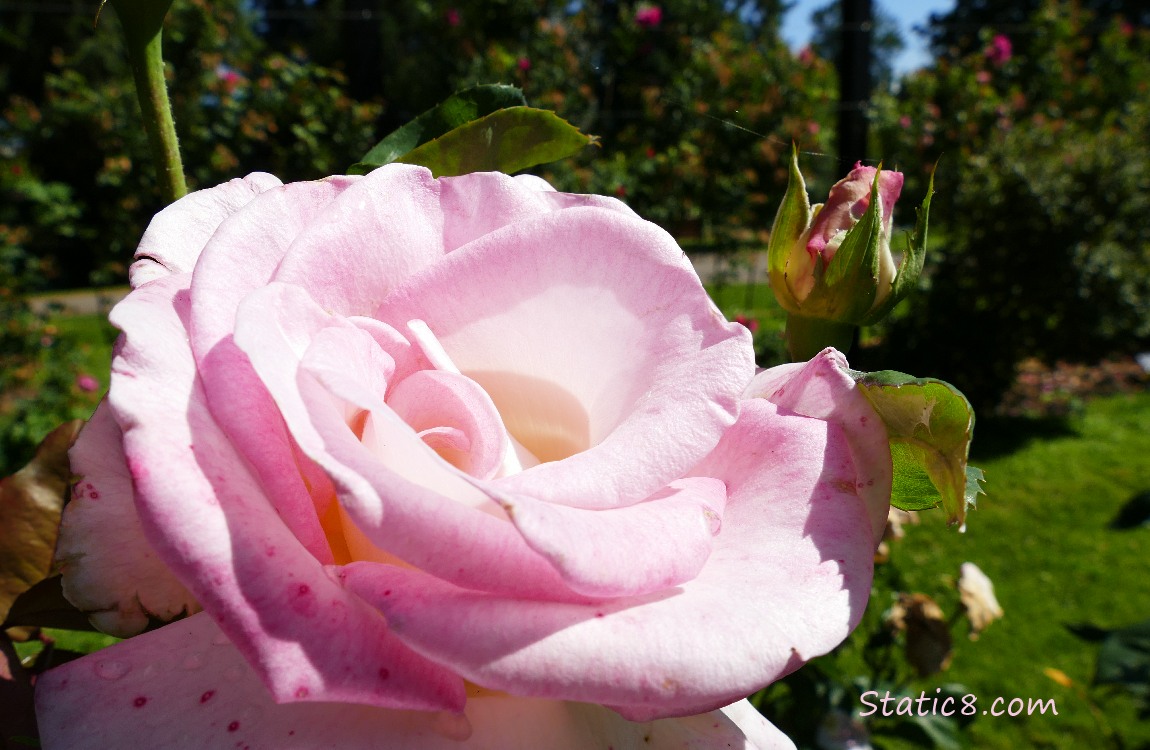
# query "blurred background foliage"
(1037, 113)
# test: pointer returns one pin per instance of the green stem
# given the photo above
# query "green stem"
(143, 22)
(806, 337)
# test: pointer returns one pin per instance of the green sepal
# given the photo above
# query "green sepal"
(791, 221)
(906, 279)
(508, 140)
(850, 284)
(453, 112)
(929, 425)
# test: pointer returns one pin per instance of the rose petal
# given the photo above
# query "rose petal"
(822, 388)
(629, 551)
(398, 220)
(788, 578)
(398, 492)
(186, 686)
(592, 334)
(177, 234)
(210, 521)
(121, 584)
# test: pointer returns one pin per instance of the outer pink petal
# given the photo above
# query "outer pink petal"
(185, 687)
(822, 388)
(398, 220)
(596, 341)
(241, 257)
(630, 551)
(122, 582)
(177, 234)
(788, 578)
(213, 525)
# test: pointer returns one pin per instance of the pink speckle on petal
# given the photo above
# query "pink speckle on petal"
(384, 673)
(233, 726)
(140, 701)
(302, 691)
(207, 696)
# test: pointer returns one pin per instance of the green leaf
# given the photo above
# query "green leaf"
(930, 425)
(792, 219)
(509, 140)
(906, 279)
(852, 274)
(455, 111)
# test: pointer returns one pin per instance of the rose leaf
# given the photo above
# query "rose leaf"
(930, 425)
(508, 141)
(30, 504)
(453, 112)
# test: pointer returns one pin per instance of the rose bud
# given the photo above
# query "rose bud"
(831, 266)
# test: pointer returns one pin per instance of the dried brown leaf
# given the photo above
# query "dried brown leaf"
(30, 505)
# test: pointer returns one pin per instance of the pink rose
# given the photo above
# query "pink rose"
(449, 463)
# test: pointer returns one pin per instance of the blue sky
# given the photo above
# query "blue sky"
(910, 13)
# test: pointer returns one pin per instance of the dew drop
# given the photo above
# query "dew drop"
(452, 726)
(193, 661)
(112, 670)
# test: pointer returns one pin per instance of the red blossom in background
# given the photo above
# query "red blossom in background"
(1000, 50)
(649, 16)
(87, 383)
(750, 324)
(452, 17)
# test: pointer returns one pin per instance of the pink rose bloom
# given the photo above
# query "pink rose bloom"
(456, 463)
(649, 16)
(1000, 50)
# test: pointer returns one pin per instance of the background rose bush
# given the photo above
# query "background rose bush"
(454, 458)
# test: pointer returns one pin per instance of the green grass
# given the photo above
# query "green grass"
(1042, 536)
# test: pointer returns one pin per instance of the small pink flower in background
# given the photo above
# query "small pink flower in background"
(1000, 50)
(806, 55)
(87, 383)
(649, 16)
(452, 16)
(524, 64)
(904, 122)
(229, 76)
(983, 76)
(751, 324)
(813, 127)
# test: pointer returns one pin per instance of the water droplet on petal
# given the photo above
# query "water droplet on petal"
(109, 669)
(452, 726)
(193, 661)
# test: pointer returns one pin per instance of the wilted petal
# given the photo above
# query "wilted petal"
(976, 591)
